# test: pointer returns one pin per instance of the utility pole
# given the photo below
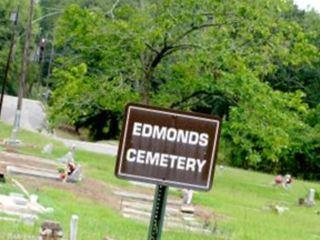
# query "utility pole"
(46, 94)
(24, 66)
(42, 56)
(14, 18)
(51, 59)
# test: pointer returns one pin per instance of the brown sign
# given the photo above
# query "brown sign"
(168, 147)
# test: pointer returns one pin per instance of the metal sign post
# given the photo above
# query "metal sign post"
(158, 211)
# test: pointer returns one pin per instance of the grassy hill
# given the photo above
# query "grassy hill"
(240, 198)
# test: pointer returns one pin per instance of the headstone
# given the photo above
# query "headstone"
(187, 196)
(280, 209)
(47, 149)
(221, 167)
(287, 181)
(187, 209)
(50, 231)
(75, 176)
(69, 156)
(310, 198)
(74, 227)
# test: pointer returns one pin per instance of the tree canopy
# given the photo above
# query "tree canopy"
(253, 63)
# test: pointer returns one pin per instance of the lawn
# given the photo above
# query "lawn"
(241, 199)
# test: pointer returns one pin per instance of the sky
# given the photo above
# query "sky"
(304, 4)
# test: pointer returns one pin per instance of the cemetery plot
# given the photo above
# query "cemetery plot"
(17, 164)
(138, 206)
(21, 207)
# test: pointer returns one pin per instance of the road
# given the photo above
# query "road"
(33, 118)
(103, 148)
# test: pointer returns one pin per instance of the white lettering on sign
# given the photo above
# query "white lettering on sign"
(137, 128)
(170, 134)
(165, 160)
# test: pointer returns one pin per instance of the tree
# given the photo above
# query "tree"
(192, 55)
(6, 8)
(302, 75)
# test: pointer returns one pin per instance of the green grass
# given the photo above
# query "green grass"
(244, 195)
(33, 142)
(240, 197)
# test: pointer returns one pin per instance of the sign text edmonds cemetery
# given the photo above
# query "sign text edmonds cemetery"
(168, 147)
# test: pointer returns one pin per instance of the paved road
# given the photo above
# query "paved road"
(90, 146)
(33, 118)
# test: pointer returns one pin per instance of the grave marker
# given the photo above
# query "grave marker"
(74, 227)
(310, 198)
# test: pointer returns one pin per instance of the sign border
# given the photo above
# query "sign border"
(192, 115)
